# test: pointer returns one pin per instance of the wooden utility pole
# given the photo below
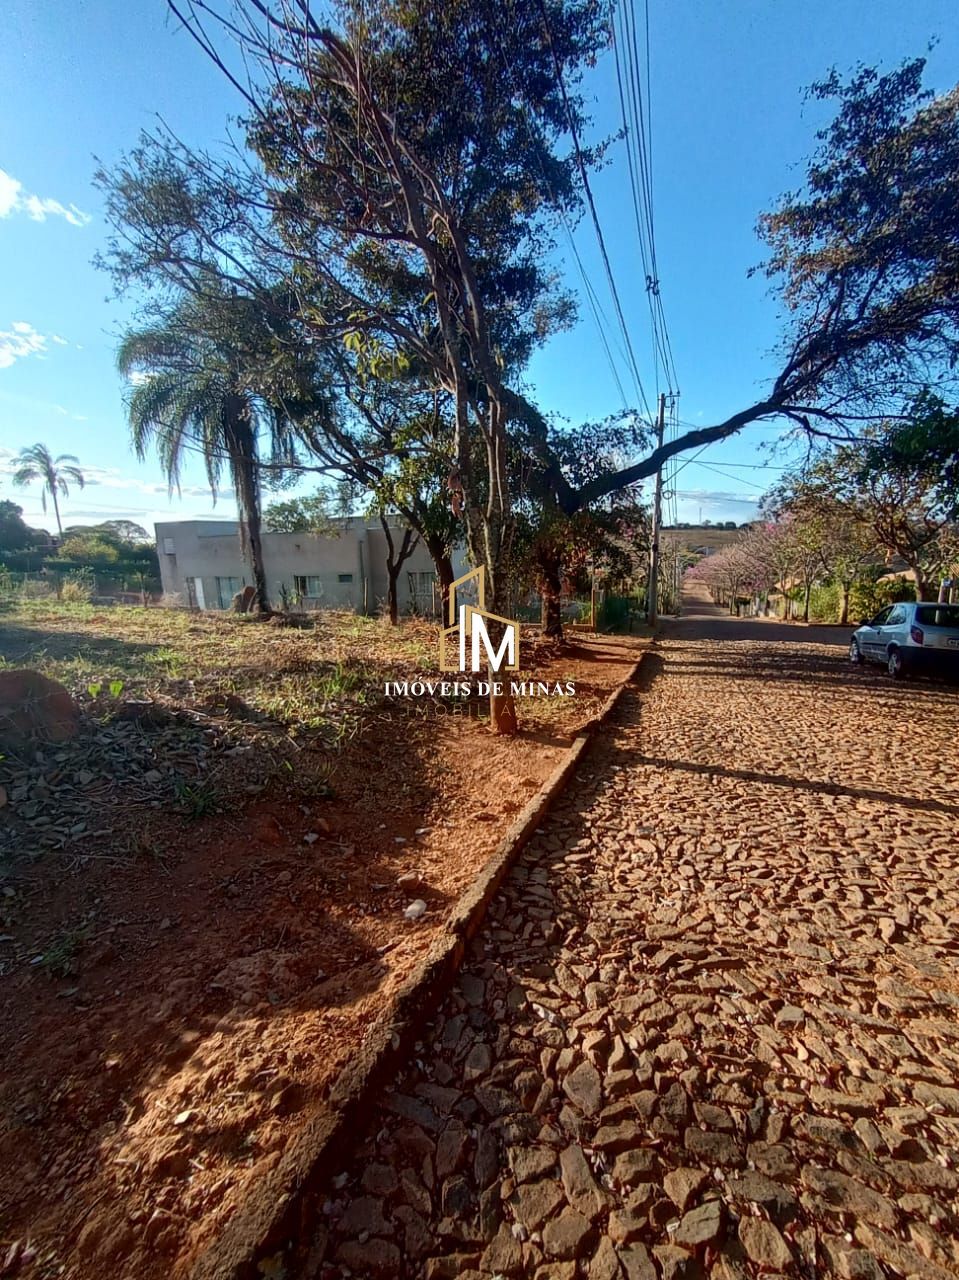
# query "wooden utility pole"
(652, 592)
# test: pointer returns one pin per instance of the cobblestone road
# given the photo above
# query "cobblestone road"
(712, 1025)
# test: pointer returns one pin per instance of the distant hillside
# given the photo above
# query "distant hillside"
(694, 539)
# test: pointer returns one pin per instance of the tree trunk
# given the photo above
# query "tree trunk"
(807, 595)
(262, 603)
(391, 600)
(56, 510)
(502, 707)
(394, 563)
(443, 564)
(844, 604)
(241, 447)
(551, 585)
(922, 585)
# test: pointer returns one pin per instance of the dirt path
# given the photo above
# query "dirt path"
(712, 1027)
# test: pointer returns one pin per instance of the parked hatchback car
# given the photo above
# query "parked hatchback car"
(910, 637)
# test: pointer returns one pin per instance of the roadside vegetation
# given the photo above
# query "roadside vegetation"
(356, 305)
(862, 524)
(114, 559)
(357, 297)
(207, 888)
(187, 713)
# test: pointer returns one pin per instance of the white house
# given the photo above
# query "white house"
(201, 564)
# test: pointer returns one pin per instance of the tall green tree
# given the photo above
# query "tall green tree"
(556, 545)
(863, 255)
(55, 475)
(413, 154)
(197, 383)
(312, 513)
(865, 259)
(827, 539)
(895, 486)
(414, 162)
(15, 533)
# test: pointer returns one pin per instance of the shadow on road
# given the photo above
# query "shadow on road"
(726, 628)
(817, 786)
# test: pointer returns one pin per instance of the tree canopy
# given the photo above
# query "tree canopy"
(391, 224)
(55, 475)
(15, 533)
(895, 484)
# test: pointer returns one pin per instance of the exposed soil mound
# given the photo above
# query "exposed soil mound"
(32, 705)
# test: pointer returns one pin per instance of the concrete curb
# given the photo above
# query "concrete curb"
(274, 1213)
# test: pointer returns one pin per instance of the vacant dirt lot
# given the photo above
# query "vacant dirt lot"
(200, 902)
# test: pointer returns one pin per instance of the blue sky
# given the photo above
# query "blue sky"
(730, 131)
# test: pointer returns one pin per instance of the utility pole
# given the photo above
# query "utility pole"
(652, 591)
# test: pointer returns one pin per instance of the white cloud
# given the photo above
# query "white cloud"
(9, 194)
(113, 478)
(13, 199)
(34, 405)
(718, 497)
(20, 340)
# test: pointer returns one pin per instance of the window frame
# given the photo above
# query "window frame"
(304, 591)
(227, 577)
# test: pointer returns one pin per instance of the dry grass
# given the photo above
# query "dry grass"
(329, 672)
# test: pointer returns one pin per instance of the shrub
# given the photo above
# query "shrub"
(77, 588)
(867, 598)
(825, 602)
(35, 589)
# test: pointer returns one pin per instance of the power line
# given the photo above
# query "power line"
(599, 316)
(752, 466)
(591, 204)
(638, 130)
(718, 470)
(597, 310)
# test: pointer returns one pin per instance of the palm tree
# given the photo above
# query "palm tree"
(193, 377)
(38, 463)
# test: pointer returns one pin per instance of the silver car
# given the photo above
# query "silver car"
(910, 637)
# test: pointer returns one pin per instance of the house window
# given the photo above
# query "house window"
(308, 586)
(226, 589)
(344, 577)
(168, 547)
(421, 584)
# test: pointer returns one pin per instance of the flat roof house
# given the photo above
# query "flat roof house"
(201, 563)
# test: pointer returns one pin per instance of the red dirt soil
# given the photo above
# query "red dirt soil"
(220, 988)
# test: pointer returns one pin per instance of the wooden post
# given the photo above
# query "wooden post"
(652, 591)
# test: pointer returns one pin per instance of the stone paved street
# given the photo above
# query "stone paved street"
(712, 1024)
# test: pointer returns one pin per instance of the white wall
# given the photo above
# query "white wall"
(207, 550)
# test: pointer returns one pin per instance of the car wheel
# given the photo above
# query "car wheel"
(855, 653)
(894, 664)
